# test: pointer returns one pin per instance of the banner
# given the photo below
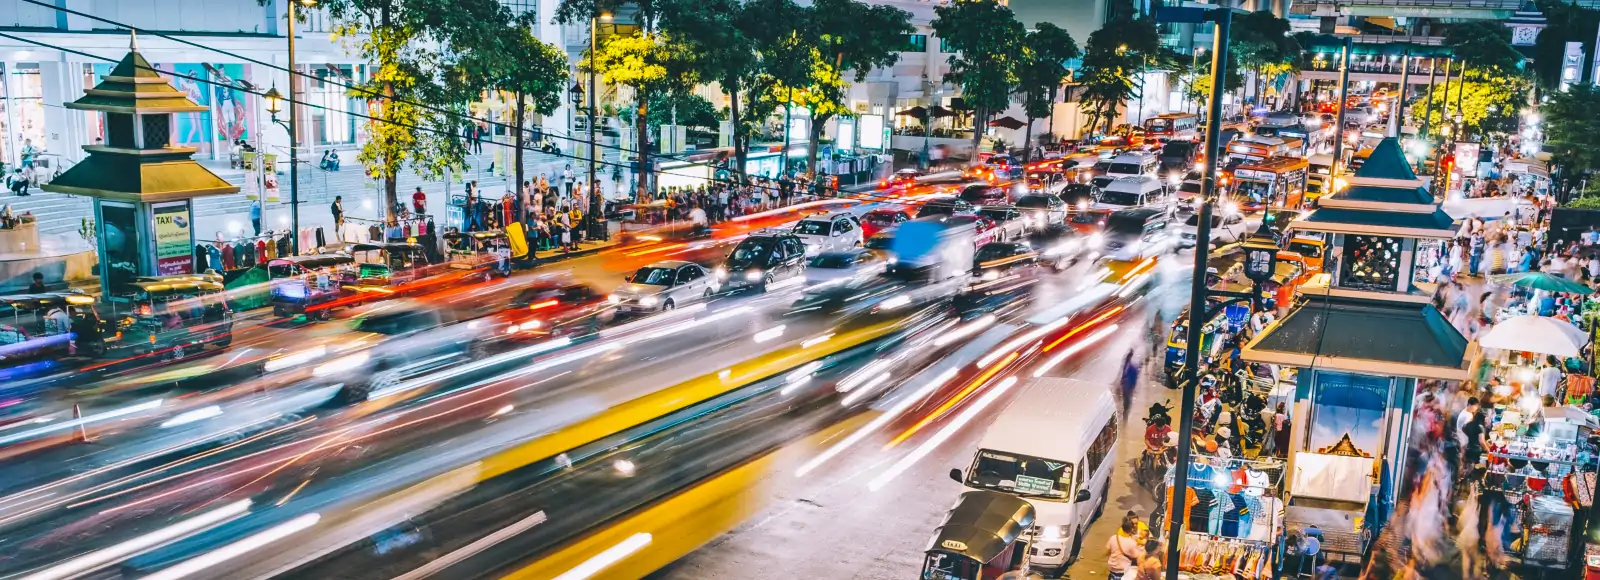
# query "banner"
(1467, 159)
(174, 240)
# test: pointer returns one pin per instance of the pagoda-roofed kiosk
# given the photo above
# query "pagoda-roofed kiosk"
(1362, 335)
(142, 184)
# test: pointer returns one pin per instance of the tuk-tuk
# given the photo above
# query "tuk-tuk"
(475, 251)
(388, 264)
(310, 285)
(171, 315)
(1231, 319)
(983, 536)
(46, 327)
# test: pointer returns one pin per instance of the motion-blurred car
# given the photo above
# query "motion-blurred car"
(390, 345)
(1225, 229)
(986, 230)
(881, 240)
(901, 179)
(1003, 277)
(663, 286)
(1077, 195)
(1040, 211)
(829, 232)
(1089, 221)
(999, 259)
(944, 205)
(879, 220)
(982, 194)
(1008, 222)
(761, 259)
(551, 310)
(833, 267)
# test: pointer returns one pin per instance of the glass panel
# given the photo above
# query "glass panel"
(1371, 263)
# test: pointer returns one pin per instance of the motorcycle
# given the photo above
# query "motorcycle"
(1155, 458)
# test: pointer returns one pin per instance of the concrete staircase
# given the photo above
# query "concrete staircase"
(56, 213)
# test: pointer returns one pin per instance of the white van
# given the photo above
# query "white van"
(1133, 164)
(1054, 446)
(1131, 192)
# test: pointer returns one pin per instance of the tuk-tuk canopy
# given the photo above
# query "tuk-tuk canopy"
(982, 525)
(386, 247)
(48, 299)
(476, 236)
(151, 286)
(313, 260)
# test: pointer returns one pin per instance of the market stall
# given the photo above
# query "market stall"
(1534, 486)
(1331, 491)
(1232, 515)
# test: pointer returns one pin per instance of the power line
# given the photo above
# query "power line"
(359, 90)
(392, 122)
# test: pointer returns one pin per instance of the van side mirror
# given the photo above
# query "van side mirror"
(627, 278)
(1083, 496)
(955, 474)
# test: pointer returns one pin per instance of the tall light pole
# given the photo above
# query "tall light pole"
(594, 192)
(1342, 95)
(294, 139)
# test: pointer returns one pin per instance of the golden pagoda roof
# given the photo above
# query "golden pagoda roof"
(134, 87)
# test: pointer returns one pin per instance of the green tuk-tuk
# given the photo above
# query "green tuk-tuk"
(173, 316)
(984, 536)
(310, 285)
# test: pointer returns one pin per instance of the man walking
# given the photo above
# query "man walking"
(570, 179)
(419, 201)
(338, 216)
(255, 215)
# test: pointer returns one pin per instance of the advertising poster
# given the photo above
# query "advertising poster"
(189, 129)
(1467, 159)
(233, 118)
(872, 129)
(174, 241)
(847, 134)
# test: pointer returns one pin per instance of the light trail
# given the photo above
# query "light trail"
(113, 554)
(220, 555)
(943, 435)
(953, 401)
(1072, 350)
(607, 558)
(879, 422)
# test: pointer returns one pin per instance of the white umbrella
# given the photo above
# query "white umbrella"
(1540, 334)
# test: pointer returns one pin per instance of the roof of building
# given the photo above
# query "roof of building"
(1378, 193)
(140, 178)
(1364, 336)
(134, 87)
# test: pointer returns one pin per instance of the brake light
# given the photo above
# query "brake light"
(545, 304)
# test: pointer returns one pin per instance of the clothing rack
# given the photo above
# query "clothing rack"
(1207, 554)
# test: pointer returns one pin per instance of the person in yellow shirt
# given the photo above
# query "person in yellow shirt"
(576, 217)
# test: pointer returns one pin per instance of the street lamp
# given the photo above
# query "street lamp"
(294, 139)
(591, 216)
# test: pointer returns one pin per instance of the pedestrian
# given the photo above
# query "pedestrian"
(1150, 566)
(37, 287)
(569, 179)
(255, 215)
(1550, 377)
(1122, 550)
(1130, 380)
(419, 201)
(338, 215)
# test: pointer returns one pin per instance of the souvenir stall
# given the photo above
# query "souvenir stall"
(1232, 514)
(1536, 462)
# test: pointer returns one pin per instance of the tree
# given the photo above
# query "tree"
(1112, 56)
(849, 36)
(637, 61)
(1572, 130)
(640, 54)
(1262, 43)
(428, 66)
(1484, 45)
(985, 40)
(718, 50)
(1046, 50)
(533, 71)
(682, 108)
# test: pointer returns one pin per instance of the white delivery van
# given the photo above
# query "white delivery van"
(1131, 192)
(1054, 446)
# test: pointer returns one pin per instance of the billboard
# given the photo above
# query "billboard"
(174, 238)
(872, 132)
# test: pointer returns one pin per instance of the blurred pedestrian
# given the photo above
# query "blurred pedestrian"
(1150, 566)
(255, 215)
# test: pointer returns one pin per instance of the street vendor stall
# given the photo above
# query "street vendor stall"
(1232, 516)
(310, 285)
(1331, 491)
(1534, 486)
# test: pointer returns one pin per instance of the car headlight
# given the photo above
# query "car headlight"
(513, 329)
(649, 301)
(991, 275)
(722, 273)
(752, 276)
(614, 299)
(1053, 533)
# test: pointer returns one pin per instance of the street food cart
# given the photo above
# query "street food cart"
(1331, 491)
(1541, 461)
(172, 316)
(984, 536)
(310, 285)
(475, 252)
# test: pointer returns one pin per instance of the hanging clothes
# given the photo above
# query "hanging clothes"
(307, 240)
(283, 245)
(214, 257)
(227, 257)
(375, 233)
(322, 242)
(261, 251)
(201, 258)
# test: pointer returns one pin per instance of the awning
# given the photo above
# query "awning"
(1436, 224)
(941, 112)
(918, 112)
(1007, 123)
(982, 525)
(1364, 336)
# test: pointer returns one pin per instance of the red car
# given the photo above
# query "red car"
(546, 310)
(878, 220)
(901, 179)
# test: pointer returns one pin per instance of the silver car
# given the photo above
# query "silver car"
(663, 286)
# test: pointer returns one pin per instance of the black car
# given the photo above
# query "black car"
(944, 205)
(1077, 195)
(1002, 278)
(761, 259)
(984, 194)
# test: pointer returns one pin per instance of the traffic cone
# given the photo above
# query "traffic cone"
(77, 414)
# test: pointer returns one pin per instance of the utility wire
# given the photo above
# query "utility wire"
(352, 88)
(712, 179)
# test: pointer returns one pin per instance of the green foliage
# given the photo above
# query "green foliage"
(1566, 23)
(985, 39)
(538, 72)
(1484, 45)
(1572, 129)
(422, 55)
(1261, 39)
(853, 35)
(691, 110)
(1490, 104)
(1590, 199)
(1046, 50)
(1114, 54)
(635, 60)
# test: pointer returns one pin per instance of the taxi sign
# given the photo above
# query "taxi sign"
(953, 545)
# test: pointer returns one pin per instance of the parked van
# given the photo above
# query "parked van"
(1133, 164)
(1053, 446)
(1128, 192)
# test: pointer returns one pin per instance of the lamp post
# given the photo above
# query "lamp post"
(294, 139)
(592, 216)
(578, 94)
(275, 106)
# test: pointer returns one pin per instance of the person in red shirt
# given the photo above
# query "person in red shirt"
(419, 201)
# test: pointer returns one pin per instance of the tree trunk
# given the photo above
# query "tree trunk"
(516, 155)
(643, 173)
(391, 198)
(980, 117)
(814, 141)
(733, 120)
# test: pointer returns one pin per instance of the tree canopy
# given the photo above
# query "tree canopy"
(1572, 129)
(1112, 59)
(1043, 67)
(984, 39)
(1485, 46)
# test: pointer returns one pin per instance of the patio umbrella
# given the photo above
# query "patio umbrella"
(1007, 122)
(1540, 334)
(917, 112)
(1542, 281)
(939, 112)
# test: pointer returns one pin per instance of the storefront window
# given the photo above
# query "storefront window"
(27, 104)
(1371, 263)
(331, 122)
